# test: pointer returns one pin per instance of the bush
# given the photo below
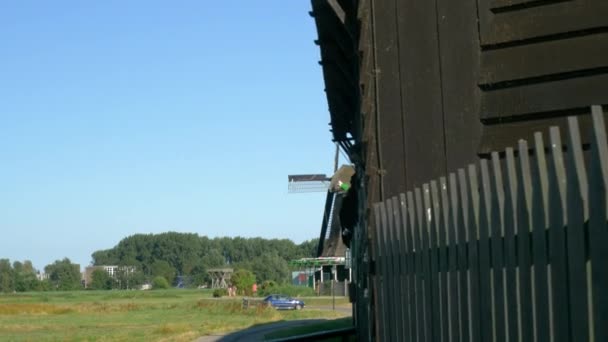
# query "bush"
(289, 290)
(267, 285)
(217, 293)
(243, 280)
(160, 283)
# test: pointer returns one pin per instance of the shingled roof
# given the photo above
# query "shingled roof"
(337, 28)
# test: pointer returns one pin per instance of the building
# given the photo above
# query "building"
(111, 270)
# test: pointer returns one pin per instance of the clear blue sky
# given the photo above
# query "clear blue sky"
(123, 117)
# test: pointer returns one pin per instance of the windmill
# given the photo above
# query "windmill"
(336, 186)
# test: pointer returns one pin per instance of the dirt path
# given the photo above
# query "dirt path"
(257, 333)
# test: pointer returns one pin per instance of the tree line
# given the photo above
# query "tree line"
(19, 276)
(182, 259)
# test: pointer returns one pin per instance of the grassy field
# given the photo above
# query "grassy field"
(171, 315)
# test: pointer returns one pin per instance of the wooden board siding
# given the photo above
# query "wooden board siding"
(427, 87)
(539, 60)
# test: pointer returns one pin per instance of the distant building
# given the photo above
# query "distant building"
(111, 270)
(42, 276)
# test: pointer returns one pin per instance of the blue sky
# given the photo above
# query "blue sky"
(125, 117)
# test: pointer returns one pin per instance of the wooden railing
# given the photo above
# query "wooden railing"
(513, 248)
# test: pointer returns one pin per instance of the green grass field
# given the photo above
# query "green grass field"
(170, 315)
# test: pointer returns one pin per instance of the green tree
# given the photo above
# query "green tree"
(43, 285)
(213, 258)
(7, 279)
(101, 280)
(64, 275)
(128, 277)
(190, 255)
(24, 276)
(161, 268)
(160, 283)
(243, 280)
(104, 257)
(270, 266)
(199, 275)
(308, 249)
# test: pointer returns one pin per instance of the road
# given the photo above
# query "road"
(257, 333)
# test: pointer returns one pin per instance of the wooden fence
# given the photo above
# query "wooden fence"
(514, 248)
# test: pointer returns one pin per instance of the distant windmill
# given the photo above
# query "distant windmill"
(307, 183)
(330, 243)
(340, 181)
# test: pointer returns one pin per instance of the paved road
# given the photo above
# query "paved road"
(257, 333)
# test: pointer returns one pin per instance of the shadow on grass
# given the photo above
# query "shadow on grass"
(257, 332)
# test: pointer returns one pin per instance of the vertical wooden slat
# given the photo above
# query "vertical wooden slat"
(434, 221)
(386, 269)
(510, 248)
(598, 232)
(473, 231)
(443, 260)
(417, 260)
(485, 295)
(440, 227)
(404, 271)
(453, 264)
(417, 26)
(387, 105)
(395, 246)
(498, 249)
(524, 198)
(422, 196)
(557, 238)
(378, 281)
(577, 213)
(539, 253)
(463, 265)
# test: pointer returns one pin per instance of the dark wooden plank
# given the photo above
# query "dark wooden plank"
(510, 219)
(422, 197)
(498, 264)
(415, 211)
(380, 299)
(472, 198)
(598, 234)
(431, 204)
(524, 228)
(459, 55)
(540, 21)
(419, 72)
(364, 285)
(535, 60)
(453, 253)
(577, 212)
(463, 261)
(387, 268)
(497, 137)
(388, 99)
(485, 280)
(494, 4)
(394, 245)
(544, 97)
(404, 269)
(440, 213)
(557, 238)
(539, 223)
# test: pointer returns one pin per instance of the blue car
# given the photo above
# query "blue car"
(283, 302)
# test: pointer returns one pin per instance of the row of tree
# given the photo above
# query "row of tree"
(185, 256)
(20, 276)
(182, 259)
